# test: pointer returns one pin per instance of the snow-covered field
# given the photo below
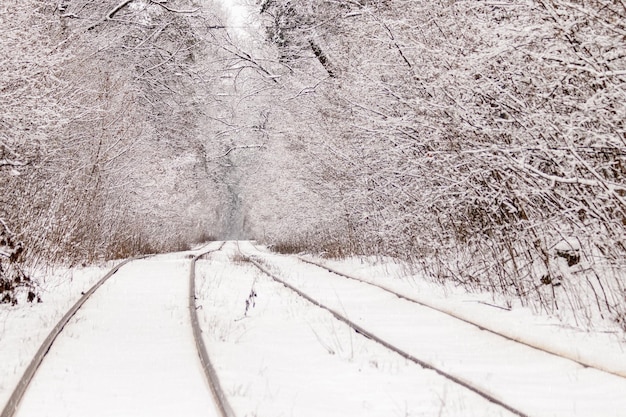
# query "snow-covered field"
(278, 355)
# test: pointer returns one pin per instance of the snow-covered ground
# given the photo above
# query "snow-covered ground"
(128, 351)
(24, 327)
(604, 347)
(278, 355)
(532, 382)
(281, 356)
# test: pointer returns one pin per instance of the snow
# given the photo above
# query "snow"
(130, 351)
(533, 382)
(24, 327)
(604, 348)
(285, 357)
(240, 19)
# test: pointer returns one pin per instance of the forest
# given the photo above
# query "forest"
(481, 142)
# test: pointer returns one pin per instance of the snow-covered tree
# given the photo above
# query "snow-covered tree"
(478, 138)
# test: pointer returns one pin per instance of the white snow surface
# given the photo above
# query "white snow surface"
(534, 383)
(285, 357)
(24, 327)
(129, 350)
(604, 348)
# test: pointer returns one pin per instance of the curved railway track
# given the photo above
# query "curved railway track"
(219, 396)
(361, 330)
(221, 404)
(577, 359)
(16, 397)
(289, 352)
(266, 266)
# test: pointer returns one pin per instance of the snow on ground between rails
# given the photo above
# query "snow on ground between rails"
(277, 355)
(129, 351)
(605, 345)
(533, 382)
(24, 327)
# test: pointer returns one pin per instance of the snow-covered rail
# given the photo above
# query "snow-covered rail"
(123, 338)
(14, 400)
(277, 354)
(517, 376)
(361, 330)
(219, 396)
(574, 356)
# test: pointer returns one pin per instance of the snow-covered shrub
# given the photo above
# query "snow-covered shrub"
(471, 137)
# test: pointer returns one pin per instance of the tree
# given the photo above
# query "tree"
(476, 138)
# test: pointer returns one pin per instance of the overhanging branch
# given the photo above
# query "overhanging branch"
(111, 13)
(239, 147)
(120, 6)
(169, 9)
(8, 162)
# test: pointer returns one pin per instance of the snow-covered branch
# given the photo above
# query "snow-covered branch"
(8, 162)
(234, 148)
(163, 4)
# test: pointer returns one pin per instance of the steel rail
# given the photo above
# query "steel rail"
(563, 355)
(221, 402)
(18, 393)
(466, 384)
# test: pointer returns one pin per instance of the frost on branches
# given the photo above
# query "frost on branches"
(483, 140)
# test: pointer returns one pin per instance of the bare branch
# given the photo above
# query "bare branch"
(169, 9)
(237, 148)
(111, 13)
(117, 8)
(7, 162)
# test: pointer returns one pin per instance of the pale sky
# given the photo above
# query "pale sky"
(237, 12)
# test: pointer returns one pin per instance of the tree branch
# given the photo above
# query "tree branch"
(322, 58)
(7, 162)
(238, 147)
(162, 4)
(111, 13)
(119, 7)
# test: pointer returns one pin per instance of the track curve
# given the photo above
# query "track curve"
(565, 355)
(359, 329)
(221, 401)
(14, 400)
(481, 359)
(12, 406)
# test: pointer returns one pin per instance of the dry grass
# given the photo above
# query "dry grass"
(239, 258)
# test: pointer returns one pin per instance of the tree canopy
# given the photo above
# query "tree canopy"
(484, 141)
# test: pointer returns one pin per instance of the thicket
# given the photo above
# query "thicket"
(101, 155)
(484, 141)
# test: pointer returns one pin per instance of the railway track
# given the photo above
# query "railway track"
(221, 402)
(578, 377)
(15, 403)
(404, 327)
(586, 362)
(270, 342)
